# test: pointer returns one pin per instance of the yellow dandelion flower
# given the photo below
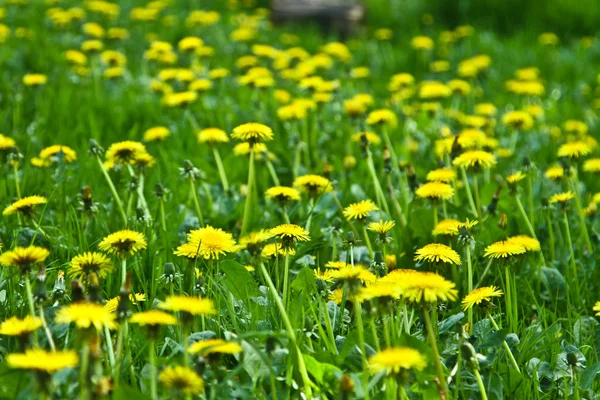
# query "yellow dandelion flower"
(381, 227)
(86, 315)
(283, 193)
(83, 265)
(153, 318)
(35, 80)
(252, 132)
(123, 243)
(437, 253)
(350, 273)
(25, 205)
(530, 244)
(504, 249)
(336, 264)
(520, 120)
(24, 257)
(336, 295)
(451, 227)
(444, 175)
(475, 159)
(273, 250)
(6, 142)
(597, 308)
(378, 290)
(290, 233)
(515, 178)
(190, 305)
(42, 361)
(214, 346)
(592, 165)
(20, 327)
(207, 242)
(112, 304)
(369, 137)
(125, 152)
(427, 287)
(182, 379)
(212, 136)
(561, 198)
(382, 117)
(52, 152)
(361, 210)
(396, 360)
(157, 134)
(555, 173)
(313, 184)
(574, 149)
(480, 295)
(435, 191)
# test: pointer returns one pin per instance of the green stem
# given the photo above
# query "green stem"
(196, 203)
(123, 271)
(551, 234)
(249, 188)
(361, 339)
(286, 273)
(575, 185)
(477, 201)
(508, 298)
(113, 190)
(530, 198)
(480, 384)
(109, 348)
(152, 360)
(221, 169)
(47, 329)
(272, 172)
(509, 353)
(468, 190)
(83, 371)
(367, 240)
(290, 330)
(469, 285)
(574, 275)
(123, 328)
(436, 354)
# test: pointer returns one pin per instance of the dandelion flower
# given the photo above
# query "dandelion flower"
(272, 250)
(123, 243)
(126, 152)
(290, 233)
(437, 253)
(520, 120)
(444, 175)
(35, 80)
(350, 273)
(190, 305)
(20, 327)
(427, 287)
(83, 265)
(574, 149)
(182, 379)
(561, 198)
(379, 290)
(51, 153)
(42, 361)
(480, 295)
(369, 137)
(475, 159)
(359, 211)
(592, 165)
(396, 360)
(283, 193)
(597, 308)
(86, 315)
(208, 243)
(382, 117)
(157, 134)
(555, 173)
(504, 249)
(25, 205)
(515, 178)
(528, 242)
(112, 304)
(435, 191)
(212, 136)
(381, 227)
(252, 132)
(214, 346)
(313, 184)
(153, 318)
(451, 227)
(24, 257)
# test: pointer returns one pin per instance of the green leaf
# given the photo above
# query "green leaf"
(420, 223)
(305, 281)
(239, 281)
(449, 322)
(588, 375)
(555, 282)
(128, 393)
(496, 339)
(319, 370)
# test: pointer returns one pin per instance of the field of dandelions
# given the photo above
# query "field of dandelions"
(199, 204)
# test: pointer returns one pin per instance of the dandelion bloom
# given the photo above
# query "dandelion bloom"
(20, 327)
(290, 233)
(515, 178)
(433, 90)
(23, 257)
(575, 127)
(25, 205)
(520, 120)
(6, 142)
(313, 184)
(369, 137)
(561, 198)
(86, 315)
(555, 173)
(126, 152)
(276, 249)
(597, 308)
(35, 80)
(530, 244)
(379, 290)
(182, 379)
(42, 361)
(451, 227)
(592, 165)
(421, 43)
(50, 154)
(243, 149)
(574, 149)
(252, 132)
(427, 287)
(381, 227)
(444, 175)
(212, 136)
(350, 273)
(359, 211)
(153, 318)
(283, 193)
(435, 191)
(480, 295)
(157, 134)
(83, 265)
(504, 249)
(190, 305)
(436, 253)
(123, 243)
(475, 159)
(112, 304)
(396, 360)
(382, 117)
(207, 242)
(214, 346)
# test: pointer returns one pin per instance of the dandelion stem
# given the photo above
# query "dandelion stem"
(47, 329)
(367, 240)
(572, 264)
(152, 361)
(436, 354)
(505, 345)
(469, 195)
(532, 233)
(575, 186)
(272, 172)
(530, 198)
(508, 298)
(551, 234)
(480, 384)
(15, 166)
(109, 348)
(361, 339)
(196, 203)
(290, 330)
(221, 169)
(113, 190)
(476, 190)
(286, 273)
(249, 189)
(469, 285)
(123, 328)
(83, 371)
(29, 295)
(378, 190)
(123, 271)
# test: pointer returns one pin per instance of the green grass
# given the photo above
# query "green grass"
(315, 339)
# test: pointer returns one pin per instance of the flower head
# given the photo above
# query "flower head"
(157, 134)
(126, 152)
(24, 257)
(395, 360)
(361, 210)
(382, 227)
(475, 159)
(289, 234)
(182, 379)
(435, 191)
(283, 193)
(574, 149)
(41, 361)
(504, 249)
(427, 287)
(597, 308)
(252, 132)
(561, 198)
(518, 176)
(530, 244)
(86, 315)
(25, 205)
(272, 250)
(313, 184)
(153, 318)
(382, 117)
(113, 304)
(350, 273)
(20, 327)
(83, 265)
(190, 305)
(451, 227)
(208, 243)
(214, 346)
(480, 295)
(212, 136)
(437, 253)
(592, 165)
(520, 120)
(444, 175)
(123, 243)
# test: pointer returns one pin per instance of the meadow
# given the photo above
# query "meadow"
(199, 204)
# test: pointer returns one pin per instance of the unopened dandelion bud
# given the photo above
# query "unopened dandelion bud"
(413, 184)
(493, 206)
(502, 221)
(95, 148)
(40, 292)
(159, 191)
(572, 360)
(58, 291)
(94, 291)
(346, 385)
(77, 291)
(350, 238)
(469, 355)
